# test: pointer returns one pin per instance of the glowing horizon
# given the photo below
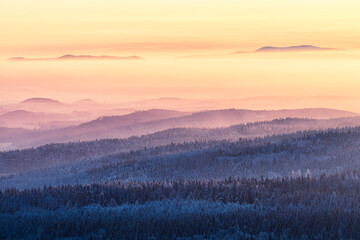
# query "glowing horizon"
(162, 31)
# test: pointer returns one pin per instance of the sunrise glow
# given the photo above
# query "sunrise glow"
(187, 49)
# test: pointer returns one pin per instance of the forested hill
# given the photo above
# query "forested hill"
(52, 155)
(183, 184)
(311, 152)
(262, 209)
(151, 121)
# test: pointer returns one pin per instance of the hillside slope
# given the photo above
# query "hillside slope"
(312, 152)
(147, 122)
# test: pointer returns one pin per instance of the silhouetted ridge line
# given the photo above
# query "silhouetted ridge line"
(79, 57)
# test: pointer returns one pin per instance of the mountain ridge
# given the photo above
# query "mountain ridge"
(293, 48)
(79, 57)
(39, 100)
(143, 123)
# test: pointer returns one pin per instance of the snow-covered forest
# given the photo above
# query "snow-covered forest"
(242, 208)
(280, 179)
(330, 151)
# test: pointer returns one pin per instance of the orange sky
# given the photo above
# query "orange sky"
(162, 31)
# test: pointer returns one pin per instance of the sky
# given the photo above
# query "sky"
(163, 32)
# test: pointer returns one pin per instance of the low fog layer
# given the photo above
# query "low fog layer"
(79, 121)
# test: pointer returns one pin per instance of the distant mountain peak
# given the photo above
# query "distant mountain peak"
(293, 48)
(79, 57)
(18, 58)
(86, 101)
(17, 112)
(41, 100)
(70, 56)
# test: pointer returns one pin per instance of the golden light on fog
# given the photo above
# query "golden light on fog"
(163, 31)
